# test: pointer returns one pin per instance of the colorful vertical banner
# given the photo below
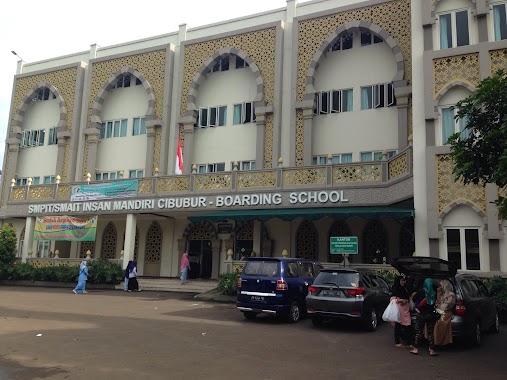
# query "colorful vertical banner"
(111, 190)
(179, 159)
(65, 228)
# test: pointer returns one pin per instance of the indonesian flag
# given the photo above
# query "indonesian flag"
(179, 159)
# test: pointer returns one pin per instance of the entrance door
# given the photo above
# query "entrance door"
(200, 257)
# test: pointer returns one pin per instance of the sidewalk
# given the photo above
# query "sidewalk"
(204, 289)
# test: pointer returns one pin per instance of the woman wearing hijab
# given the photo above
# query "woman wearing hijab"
(403, 329)
(126, 276)
(81, 281)
(133, 284)
(446, 299)
(426, 315)
(184, 267)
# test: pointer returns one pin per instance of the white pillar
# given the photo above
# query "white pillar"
(130, 239)
(28, 238)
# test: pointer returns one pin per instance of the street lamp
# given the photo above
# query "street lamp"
(16, 54)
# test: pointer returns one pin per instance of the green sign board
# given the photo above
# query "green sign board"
(343, 245)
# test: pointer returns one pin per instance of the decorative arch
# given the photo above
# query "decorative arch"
(27, 100)
(434, 7)
(307, 241)
(108, 249)
(150, 115)
(331, 39)
(153, 248)
(338, 228)
(449, 87)
(461, 202)
(205, 226)
(374, 239)
(200, 76)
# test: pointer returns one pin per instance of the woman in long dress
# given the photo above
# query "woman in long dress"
(184, 267)
(81, 281)
(446, 299)
(133, 284)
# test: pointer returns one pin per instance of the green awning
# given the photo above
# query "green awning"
(305, 213)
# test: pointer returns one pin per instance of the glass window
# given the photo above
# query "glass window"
(222, 115)
(135, 128)
(499, 22)
(454, 30)
(236, 117)
(366, 156)
(307, 270)
(262, 268)
(366, 98)
(453, 247)
(123, 130)
(365, 37)
(292, 270)
(472, 249)
(347, 100)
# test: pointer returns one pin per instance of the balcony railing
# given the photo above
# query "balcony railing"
(355, 174)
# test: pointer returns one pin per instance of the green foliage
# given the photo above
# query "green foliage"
(228, 284)
(479, 154)
(497, 287)
(100, 271)
(7, 245)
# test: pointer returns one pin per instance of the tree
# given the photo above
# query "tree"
(479, 152)
(7, 245)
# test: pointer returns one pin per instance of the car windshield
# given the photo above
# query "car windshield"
(338, 278)
(261, 268)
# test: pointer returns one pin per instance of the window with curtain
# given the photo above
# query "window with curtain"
(335, 159)
(454, 29)
(451, 125)
(139, 126)
(499, 22)
(366, 98)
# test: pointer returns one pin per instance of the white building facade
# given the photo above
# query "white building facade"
(323, 119)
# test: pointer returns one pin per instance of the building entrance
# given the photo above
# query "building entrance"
(200, 257)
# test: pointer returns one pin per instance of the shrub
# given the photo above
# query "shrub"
(7, 245)
(228, 284)
(497, 287)
(102, 271)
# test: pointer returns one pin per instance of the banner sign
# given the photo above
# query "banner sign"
(111, 190)
(65, 228)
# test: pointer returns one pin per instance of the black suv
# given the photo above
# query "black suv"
(475, 311)
(347, 293)
(276, 286)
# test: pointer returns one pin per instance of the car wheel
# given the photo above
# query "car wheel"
(294, 313)
(249, 314)
(317, 321)
(371, 320)
(475, 337)
(495, 328)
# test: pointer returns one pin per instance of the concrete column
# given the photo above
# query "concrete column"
(28, 238)
(60, 158)
(308, 120)
(188, 153)
(260, 121)
(150, 134)
(215, 258)
(92, 139)
(257, 238)
(130, 239)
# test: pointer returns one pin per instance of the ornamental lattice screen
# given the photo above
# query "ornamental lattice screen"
(108, 250)
(307, 241)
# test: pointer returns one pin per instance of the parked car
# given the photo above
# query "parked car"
(276, 286)
(348, 293)
(475, 311)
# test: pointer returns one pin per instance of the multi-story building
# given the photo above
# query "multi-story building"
(323, 119)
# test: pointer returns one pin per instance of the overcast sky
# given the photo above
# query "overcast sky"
(38, 30)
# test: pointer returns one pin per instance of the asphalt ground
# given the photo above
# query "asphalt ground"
(55, 334)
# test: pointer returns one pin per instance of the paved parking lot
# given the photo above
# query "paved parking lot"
(55, 334)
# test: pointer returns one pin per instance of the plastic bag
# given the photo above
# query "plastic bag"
(392, 312)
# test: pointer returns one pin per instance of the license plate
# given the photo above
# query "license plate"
(331, 293)
(257, 298)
